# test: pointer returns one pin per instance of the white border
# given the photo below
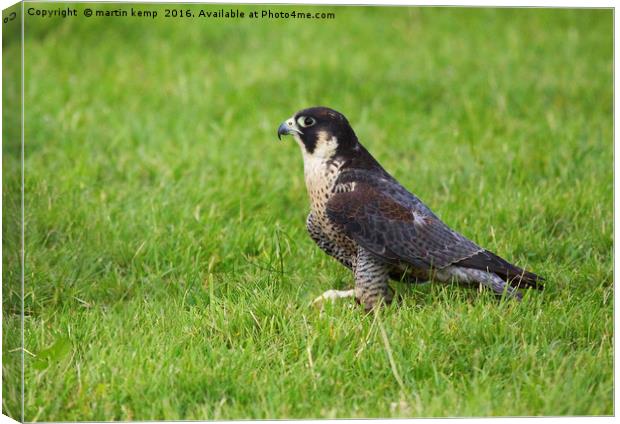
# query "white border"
(477, 3)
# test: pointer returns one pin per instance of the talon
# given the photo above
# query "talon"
(332, 295)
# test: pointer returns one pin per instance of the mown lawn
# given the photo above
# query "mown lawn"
(168, 271)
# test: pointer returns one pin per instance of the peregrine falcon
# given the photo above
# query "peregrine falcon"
(363, 217)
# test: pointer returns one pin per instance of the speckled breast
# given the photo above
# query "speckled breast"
(320, 180)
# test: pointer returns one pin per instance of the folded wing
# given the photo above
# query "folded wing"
(384, 218)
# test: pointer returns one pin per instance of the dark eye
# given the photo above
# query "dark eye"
(306, 121)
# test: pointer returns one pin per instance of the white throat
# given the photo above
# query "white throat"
(320, 168)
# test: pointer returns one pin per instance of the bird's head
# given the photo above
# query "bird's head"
(321, 132)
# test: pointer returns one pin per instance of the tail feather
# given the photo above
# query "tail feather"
(516, 277)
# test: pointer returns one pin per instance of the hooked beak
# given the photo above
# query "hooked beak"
(287, 127)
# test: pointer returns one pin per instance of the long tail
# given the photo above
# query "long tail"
(517, 277)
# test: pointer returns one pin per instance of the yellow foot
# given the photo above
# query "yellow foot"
(332, 295)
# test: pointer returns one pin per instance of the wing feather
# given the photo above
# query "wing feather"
(386, 219)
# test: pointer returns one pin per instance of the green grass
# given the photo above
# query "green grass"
(168, 272)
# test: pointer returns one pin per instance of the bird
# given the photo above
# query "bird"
(365, 219)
